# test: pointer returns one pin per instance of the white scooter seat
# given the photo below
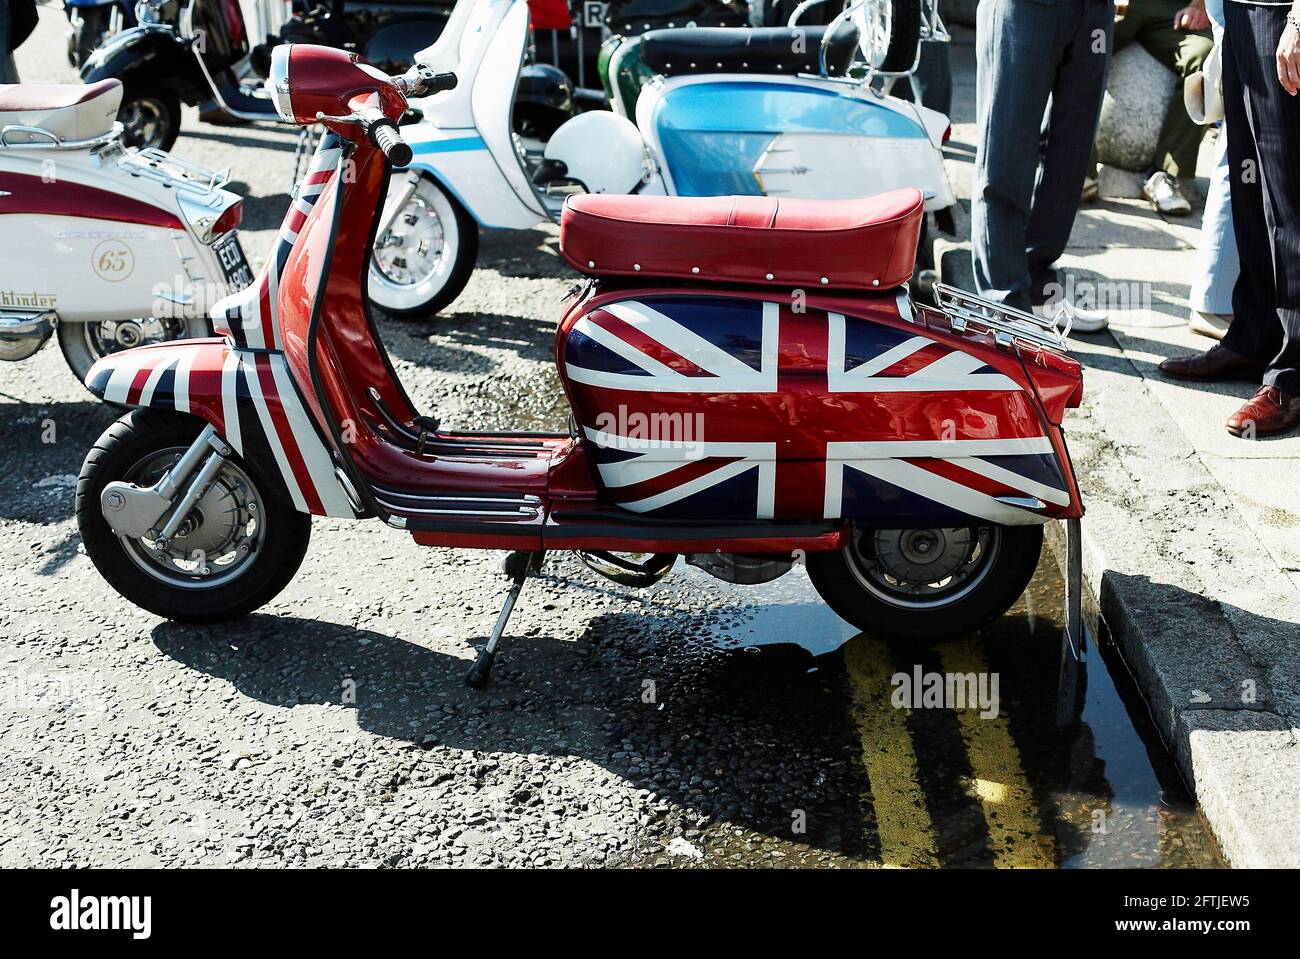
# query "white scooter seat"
(68, 111)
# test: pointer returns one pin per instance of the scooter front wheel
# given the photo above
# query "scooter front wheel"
(425, 257)
(236, 549)
(927, 584)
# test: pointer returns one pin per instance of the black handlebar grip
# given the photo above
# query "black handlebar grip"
(440, 82)
(390, 141)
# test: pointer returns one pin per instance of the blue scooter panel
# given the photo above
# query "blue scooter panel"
(713, 134)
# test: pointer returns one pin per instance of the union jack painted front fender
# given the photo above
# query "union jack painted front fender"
(248, 395)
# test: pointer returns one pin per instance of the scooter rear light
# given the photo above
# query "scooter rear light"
(229, 219)
(947, 133)
(1059, 382)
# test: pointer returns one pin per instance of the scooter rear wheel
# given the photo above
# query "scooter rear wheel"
(927, 584)
(236, 550)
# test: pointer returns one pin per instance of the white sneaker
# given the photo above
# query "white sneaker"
(1213, 325)
(1082, 320)
(1165, 194)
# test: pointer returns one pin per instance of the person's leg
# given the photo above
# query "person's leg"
(1255, 331)
(1070, 128)
(1217, 262)
(1274, 127)
(1180, 136)
(1017, 57)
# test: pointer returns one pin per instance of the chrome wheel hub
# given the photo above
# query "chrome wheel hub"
(218, 539)
(412, 248)
(110, 336)
(923, 567)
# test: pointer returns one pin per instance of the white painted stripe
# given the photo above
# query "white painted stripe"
(1001, 474)
(230, 401)
(146, 394)
(249, 367)
(184, 369)
(680, 339)
(697, 485)
(616, 344)
(941, 490)
(939, 449)
(320, 465)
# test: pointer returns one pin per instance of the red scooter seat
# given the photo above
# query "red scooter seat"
(864, 244)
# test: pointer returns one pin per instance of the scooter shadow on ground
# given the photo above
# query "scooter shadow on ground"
(744, 737)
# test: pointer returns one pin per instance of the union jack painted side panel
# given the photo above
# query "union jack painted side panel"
(248, 396)
(251, 316)
(738, 407)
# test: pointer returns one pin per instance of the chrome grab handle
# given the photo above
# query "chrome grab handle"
(52, 141)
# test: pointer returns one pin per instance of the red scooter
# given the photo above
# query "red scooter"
(750, 385)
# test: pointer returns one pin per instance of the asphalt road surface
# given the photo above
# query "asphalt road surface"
(692, 724)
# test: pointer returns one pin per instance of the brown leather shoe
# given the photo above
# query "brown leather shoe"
(1216, 363)
(1268, 411)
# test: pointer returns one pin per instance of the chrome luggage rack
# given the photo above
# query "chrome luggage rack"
(173, 171)
(1006, 324)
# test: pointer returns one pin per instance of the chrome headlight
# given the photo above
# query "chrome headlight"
(277, 84)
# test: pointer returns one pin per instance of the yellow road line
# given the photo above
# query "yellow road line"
(1016, 830)
(902, 819)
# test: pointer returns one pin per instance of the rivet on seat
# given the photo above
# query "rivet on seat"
(636, 266)
(695, 269)
(875, 282)
(825, 281)
(771, 277)
(590, 264)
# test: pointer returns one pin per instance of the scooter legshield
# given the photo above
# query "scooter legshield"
(247, 395)
(730, 405)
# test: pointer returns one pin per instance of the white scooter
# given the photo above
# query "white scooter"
(739, 111)
(111, 249)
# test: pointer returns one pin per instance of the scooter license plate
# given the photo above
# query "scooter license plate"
(233, 264)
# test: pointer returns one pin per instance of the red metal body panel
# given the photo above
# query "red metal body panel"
(20, 193)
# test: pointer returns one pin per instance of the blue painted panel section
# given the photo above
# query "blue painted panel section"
(454, 145)
(732, 325)
(864, 341)
(881, 505)
(713, 133)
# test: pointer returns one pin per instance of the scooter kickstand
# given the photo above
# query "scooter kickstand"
(517, 565)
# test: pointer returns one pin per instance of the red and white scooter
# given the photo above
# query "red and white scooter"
(111, 249)
(750, 386)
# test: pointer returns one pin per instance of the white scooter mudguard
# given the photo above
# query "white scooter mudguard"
(465, 141)
(722, 134)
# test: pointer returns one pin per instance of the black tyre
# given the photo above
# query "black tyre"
(930, 584)
(237, 549)
(150, 119)
(422, 262)
(904, 36)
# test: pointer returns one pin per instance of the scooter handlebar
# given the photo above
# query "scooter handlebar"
(386, 136)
